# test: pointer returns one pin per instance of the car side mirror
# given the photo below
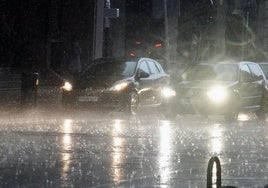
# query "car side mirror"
(246, 80)
(245, 77)
(142, 74)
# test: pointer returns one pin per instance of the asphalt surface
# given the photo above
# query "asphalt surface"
(42, 147)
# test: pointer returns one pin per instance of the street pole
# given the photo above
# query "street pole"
(220, 30)
(107, 40)
(166, 35)
(108, 13)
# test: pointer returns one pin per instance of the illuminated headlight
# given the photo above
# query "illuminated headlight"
(119, 86)
(67, 86)
(217, 94)
(168, 92)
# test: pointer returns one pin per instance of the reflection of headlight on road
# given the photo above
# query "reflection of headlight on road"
(167, 92)
(217, 94)
(67, 86)
(119, 86)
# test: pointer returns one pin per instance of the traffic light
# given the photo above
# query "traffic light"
(153, 48)
(138, 42)
(132, 54)
(158, 45)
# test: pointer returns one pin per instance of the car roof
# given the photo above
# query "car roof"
(103, 60)
(229, 62)
(263, 63)
(247, 62)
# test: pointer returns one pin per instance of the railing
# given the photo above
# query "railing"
(211, 163)
(217, 183)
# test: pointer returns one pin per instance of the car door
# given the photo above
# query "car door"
(159, 79)
(247, 87)
(145, 92)
(258, 84)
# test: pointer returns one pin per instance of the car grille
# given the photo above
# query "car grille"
(93, 91)
(190, 93)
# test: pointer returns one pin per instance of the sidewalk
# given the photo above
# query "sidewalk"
(47, 97)
(48, 93)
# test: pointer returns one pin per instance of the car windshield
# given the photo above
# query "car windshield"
(222, 72)
(113, 68)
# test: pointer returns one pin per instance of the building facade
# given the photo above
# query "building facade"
(216, 30)
(47, 34)
(52, 34)
(263, 28)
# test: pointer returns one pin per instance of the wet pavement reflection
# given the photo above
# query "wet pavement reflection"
(82, 148)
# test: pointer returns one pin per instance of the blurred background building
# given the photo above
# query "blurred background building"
(52, 34)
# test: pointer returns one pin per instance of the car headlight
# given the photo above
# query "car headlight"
(168, 92)
(67, 86)
(217, 94)
(119, 86)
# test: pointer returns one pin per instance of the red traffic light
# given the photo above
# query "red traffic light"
(132, 54)
(158, 45)
(138, 42)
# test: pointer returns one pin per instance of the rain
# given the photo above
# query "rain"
(48, 140)
(83, 148)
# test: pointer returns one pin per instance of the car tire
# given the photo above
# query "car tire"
(132, 103)
(233, 113)
(261, 113)
(231, 116)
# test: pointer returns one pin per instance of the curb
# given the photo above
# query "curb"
(46, 96)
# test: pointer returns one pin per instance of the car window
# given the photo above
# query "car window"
(153, 68)
(159, 66)
(265, 69)
(199, 72)
(113, 68)
(144, 67)
(256, 72)
(129, 68)
(224, 72)
(245, 74)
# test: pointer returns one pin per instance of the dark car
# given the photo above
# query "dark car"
(225, 88)
(119, 83)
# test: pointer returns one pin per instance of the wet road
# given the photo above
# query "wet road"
(87, 149)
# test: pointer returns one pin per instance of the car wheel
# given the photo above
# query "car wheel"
(261, 113)
(233, 112)
(230, 116)
(132, 103)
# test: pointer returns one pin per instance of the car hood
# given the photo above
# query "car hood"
(205, 84)
(99, 82)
